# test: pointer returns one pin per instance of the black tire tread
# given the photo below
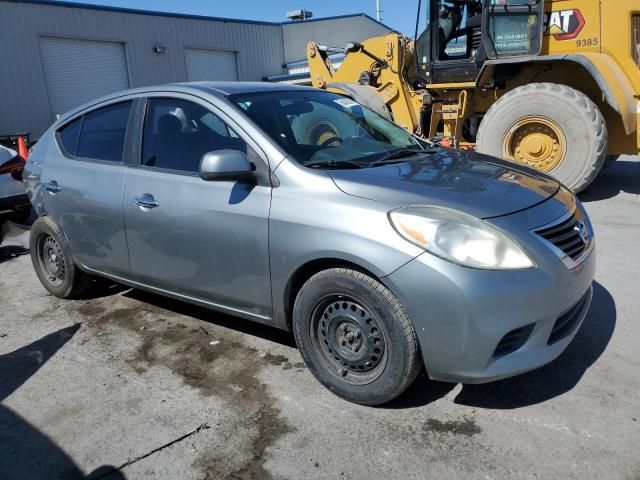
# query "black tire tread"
(589, 109)
(414, 357)
(80, 281)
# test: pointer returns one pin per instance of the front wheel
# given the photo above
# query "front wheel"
(355, 336)
(550, 127)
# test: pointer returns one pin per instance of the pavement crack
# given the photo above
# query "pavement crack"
(199, 428)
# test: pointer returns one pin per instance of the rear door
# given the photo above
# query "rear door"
(512, 27)
(200, 239)
(84, 179)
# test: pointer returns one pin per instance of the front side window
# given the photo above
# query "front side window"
(177, 133)
(316, 127)
(103, 133)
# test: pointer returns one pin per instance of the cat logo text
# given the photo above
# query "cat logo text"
(564, 25)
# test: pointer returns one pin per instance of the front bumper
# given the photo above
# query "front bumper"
(461, 315)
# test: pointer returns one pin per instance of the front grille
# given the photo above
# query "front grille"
(512, 341)
(572, 236)
(635, 38)
(566, 323)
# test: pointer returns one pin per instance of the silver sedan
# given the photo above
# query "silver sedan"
(302, 209)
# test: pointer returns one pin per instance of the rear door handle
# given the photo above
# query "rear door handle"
(51, 187)
(146, 201)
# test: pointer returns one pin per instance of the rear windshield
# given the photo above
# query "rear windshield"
(317, 126)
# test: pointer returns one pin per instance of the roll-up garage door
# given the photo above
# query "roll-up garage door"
(210, 65)
(77, 71)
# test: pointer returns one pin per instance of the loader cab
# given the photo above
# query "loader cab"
(460, 35)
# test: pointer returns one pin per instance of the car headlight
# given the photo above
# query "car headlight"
(459, 237)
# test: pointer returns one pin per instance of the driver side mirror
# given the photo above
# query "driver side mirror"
(225, 165)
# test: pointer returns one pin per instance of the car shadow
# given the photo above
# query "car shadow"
(255, 329)
(531, 388)
(621, 176)
(9, 252)
(101, 288)
(25, 451)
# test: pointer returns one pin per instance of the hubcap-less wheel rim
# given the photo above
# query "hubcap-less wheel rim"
(537, 142)
(52, 260)
(349, 340)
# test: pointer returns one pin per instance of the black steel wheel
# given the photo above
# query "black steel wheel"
(351, 339)
(53, 262)
(355, 336)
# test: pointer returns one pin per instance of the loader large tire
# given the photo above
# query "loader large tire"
(550, 127)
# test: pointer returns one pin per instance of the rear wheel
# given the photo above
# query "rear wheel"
(52, 261)
(355, 337)
(552, 128)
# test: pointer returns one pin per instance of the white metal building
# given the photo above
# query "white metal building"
(57, 55)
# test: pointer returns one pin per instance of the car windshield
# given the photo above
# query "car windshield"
(323, 130)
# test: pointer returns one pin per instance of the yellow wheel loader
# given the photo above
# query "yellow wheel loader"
(552, 84)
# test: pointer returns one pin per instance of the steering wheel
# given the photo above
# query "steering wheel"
(329, 141)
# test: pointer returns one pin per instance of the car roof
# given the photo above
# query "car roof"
(216, 89)
(234, 88)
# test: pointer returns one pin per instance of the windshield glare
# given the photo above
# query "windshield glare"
(321, 128)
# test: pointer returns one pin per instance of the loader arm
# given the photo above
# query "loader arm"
(379, 63)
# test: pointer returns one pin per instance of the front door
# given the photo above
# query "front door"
(205, 240)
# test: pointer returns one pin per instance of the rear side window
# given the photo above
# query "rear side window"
(103, 133)
(69, 135)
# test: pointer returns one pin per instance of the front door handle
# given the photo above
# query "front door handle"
(146, 201)
(51, 187)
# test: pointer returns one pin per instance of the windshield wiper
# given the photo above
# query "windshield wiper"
(334, 164)
(396, 155)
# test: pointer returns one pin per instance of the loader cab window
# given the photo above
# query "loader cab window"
(513, 27)
(456, 23)
(456, 26)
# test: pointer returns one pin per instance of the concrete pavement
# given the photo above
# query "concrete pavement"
(167, 390)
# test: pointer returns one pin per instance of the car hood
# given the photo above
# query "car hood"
(480, 185)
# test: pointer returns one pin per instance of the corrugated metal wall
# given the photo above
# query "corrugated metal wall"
(24, 100)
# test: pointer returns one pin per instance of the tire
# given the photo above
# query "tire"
(355, 337)
(580, 120)
(53, 263)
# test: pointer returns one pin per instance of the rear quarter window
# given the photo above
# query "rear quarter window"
(69, 135)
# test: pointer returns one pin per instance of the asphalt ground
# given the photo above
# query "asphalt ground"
(132, 385)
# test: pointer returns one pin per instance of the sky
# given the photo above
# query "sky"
(398, 14)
